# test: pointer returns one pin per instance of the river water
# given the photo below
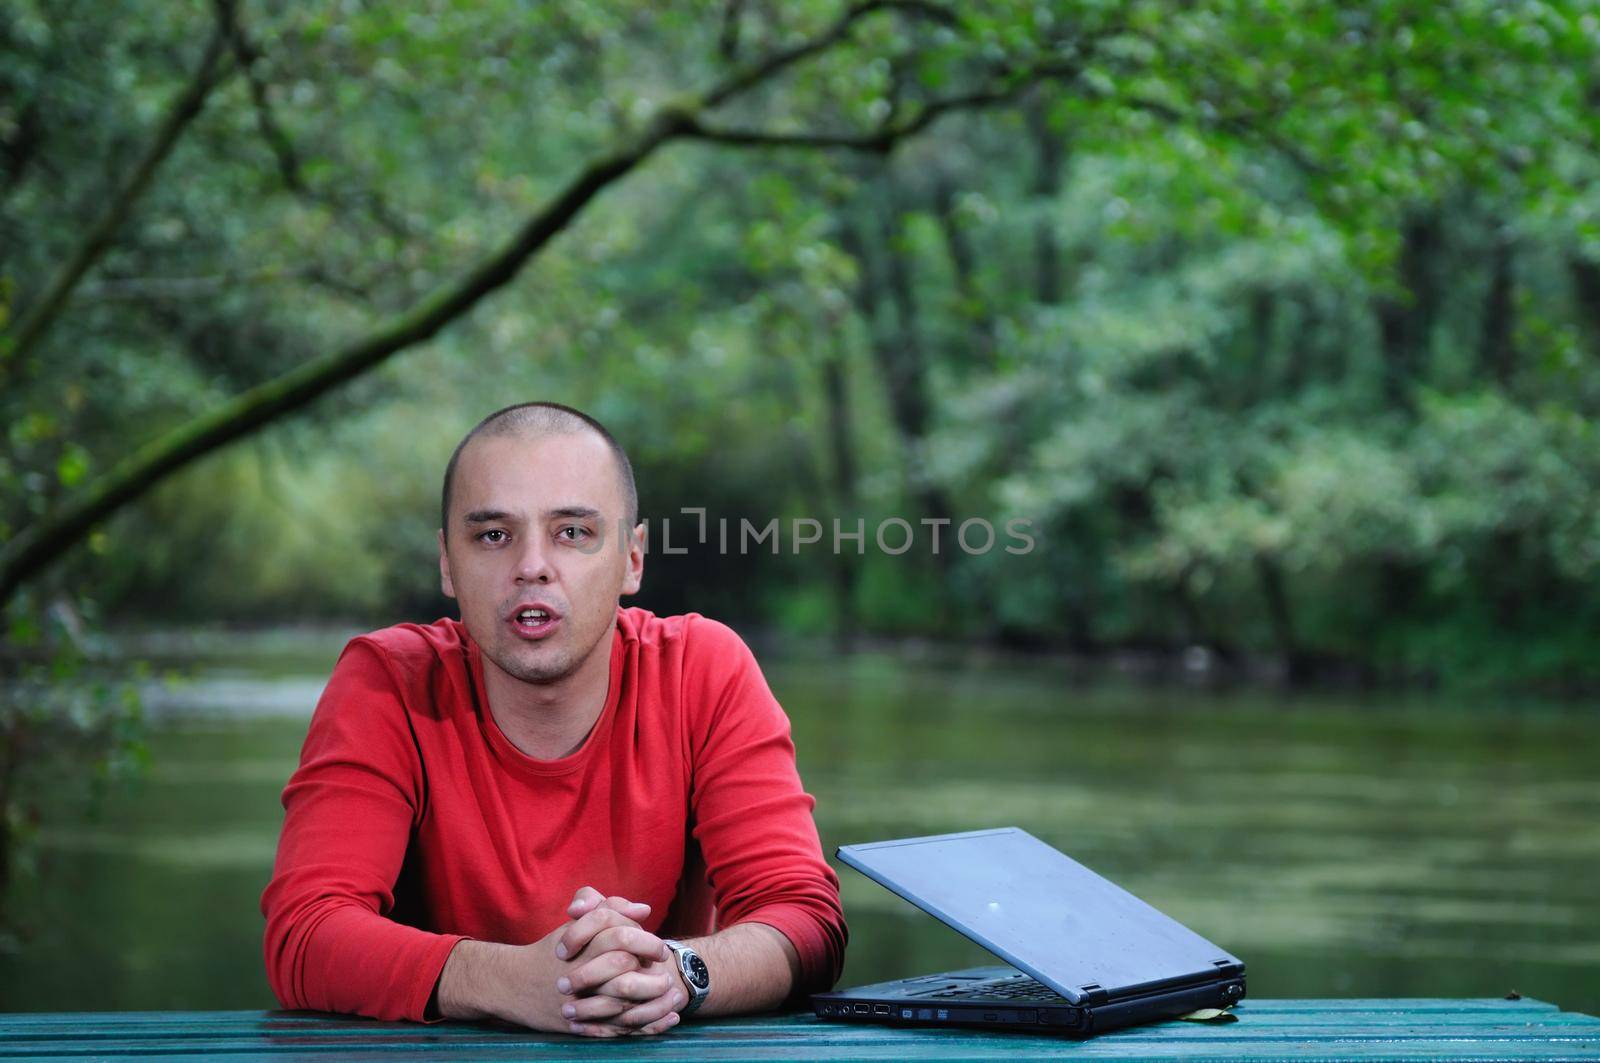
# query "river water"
(1377, 845)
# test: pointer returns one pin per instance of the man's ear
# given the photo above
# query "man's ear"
(445, 585)
(634, 576)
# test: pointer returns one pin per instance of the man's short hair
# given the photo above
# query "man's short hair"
(535, 420)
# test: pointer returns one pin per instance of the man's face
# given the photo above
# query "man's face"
(535, 523)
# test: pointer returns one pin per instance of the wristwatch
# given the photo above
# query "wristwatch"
(695, 975)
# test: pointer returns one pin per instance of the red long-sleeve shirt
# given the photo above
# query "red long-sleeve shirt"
(412, 821)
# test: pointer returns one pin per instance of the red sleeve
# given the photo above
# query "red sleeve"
(349, 809)
(752, 819)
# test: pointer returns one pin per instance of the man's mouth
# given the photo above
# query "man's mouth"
(534, 621)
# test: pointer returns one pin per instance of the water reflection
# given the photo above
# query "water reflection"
(1380, 847)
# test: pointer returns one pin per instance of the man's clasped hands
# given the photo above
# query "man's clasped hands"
(600, 974)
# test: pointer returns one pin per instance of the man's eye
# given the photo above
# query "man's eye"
(492, 531)
(576, 532)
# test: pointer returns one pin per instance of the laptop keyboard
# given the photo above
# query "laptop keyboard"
(1014, 988)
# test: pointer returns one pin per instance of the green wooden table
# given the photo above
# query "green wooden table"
(1266, 1029)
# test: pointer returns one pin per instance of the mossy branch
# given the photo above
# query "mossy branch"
(37, 318)
(43, 541)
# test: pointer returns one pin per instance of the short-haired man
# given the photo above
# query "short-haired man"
(514, 815)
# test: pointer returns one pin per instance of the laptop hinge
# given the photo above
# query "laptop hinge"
(1093, 993)
(1228, 967)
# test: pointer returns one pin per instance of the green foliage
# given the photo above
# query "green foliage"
(1209, 300)
(70, 731)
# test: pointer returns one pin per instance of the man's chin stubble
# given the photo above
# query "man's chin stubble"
(547, 672)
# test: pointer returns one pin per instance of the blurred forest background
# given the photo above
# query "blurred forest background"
(1280, 321)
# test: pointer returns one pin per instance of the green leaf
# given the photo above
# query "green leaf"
(73, 466)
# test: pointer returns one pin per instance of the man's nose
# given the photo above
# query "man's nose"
(532, 564)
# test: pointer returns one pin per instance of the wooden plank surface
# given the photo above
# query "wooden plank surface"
(1266, 1029)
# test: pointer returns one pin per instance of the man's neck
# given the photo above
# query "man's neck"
(548, 721)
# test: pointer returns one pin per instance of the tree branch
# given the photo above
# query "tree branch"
(742, 80)
(153, 288)
(184, 109)
(728, 37)
(46, 539)
(248, 56)
(1246, 126)
(879, 141)
(897, 128)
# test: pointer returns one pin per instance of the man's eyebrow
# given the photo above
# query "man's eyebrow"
(579, 512)
(486, 516)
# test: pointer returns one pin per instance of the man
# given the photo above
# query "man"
(512, 815)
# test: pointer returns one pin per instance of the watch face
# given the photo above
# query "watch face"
(695, 968)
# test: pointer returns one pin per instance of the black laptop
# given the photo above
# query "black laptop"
(1084, 955)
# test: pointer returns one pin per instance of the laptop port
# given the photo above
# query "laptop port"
(880, 1009)
(863, 1009)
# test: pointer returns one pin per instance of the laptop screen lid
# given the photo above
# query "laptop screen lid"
(1039, 910)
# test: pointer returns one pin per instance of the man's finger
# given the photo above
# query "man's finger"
(577, 936)
(597, 972)
(587, 899)
(661, 1025)
(594, 1009)
(627, 907)
(636, 940)
(651, 1011)
(632, 987)
(601, 1029)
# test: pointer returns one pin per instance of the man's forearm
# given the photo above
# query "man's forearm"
(753, 967)
(472, 984)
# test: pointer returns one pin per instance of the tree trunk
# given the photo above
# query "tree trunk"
(1497, 354)
(1506, 582)
(1406, 319)
(1263, 317)
(10, 763)
(974, 308)
(908, 373)
(899, 356)
(20, 148)
(898, 353)
(1281, 617)
(1304, 344)
(1194, 624)
(1406, 322)
(1050, 156)
(1586, 286)
(842, 462)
